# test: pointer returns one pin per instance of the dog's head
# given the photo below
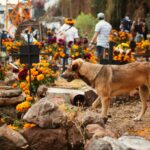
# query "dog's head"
(72, 71)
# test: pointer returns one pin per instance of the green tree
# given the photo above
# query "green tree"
(86, 24)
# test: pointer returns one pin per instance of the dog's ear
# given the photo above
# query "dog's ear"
(75, 67)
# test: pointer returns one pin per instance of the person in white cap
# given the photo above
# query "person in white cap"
(101, 36)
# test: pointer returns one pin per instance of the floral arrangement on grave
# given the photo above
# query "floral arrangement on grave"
(123, 54)
(119, 36)
(80, 50)
(142, 47)
(14, 45)
(41, 73)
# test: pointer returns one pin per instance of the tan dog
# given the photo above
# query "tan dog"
(112, 80)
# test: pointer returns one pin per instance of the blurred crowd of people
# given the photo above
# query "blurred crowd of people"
(137, 28)
(69, 33)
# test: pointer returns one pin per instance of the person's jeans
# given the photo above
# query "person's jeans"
(100, 52)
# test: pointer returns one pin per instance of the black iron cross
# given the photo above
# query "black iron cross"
(29, 54)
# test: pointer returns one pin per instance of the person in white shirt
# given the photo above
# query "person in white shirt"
(101, 35)
(68, 31)
(69, 34)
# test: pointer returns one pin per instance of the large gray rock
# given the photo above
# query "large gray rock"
(46, 115)
(56, 100)
(46, 139)
(95, 130)
(135, 142)
(116, 145)
(15, 137)
(6, 101)
(90, 117)
(10, 93)
(98, 144)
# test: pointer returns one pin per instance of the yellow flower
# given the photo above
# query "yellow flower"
(40, 77)
(27, 78)
(75, 46)
(125, 45)
(77, 54)
(35, 64)
(45, 64)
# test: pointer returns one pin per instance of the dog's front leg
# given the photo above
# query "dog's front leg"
(105, 104)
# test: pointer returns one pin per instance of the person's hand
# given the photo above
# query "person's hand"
(91, 45)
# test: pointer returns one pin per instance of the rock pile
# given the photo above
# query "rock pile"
(9, 96)
(54, 131)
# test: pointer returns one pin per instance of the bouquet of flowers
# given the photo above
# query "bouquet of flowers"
(119, 36)
(80, 50)
(123, 54)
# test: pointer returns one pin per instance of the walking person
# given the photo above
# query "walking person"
(101, 36)
(69, 34)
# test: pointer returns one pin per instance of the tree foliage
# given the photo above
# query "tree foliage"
(86, 23)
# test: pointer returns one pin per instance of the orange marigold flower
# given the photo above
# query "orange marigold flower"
(27, 92)
(14, 85)
(28, 125)
(29, 98)
(40, 77)
(22, 85)
(23, 106)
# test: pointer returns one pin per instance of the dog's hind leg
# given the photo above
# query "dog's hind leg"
(105, 105)
(144, 95)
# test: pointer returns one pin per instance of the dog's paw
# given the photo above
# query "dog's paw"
(137, 119)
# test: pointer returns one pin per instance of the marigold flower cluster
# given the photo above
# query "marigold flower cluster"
(119, 36)
(22, 107)
(142, 46)
(80, 50)
(11, 45)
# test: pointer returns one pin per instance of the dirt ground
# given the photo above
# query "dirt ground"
(122, 115)
(121, 121)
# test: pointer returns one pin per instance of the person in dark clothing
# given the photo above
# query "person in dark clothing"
(139, 29)
(125, 24)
